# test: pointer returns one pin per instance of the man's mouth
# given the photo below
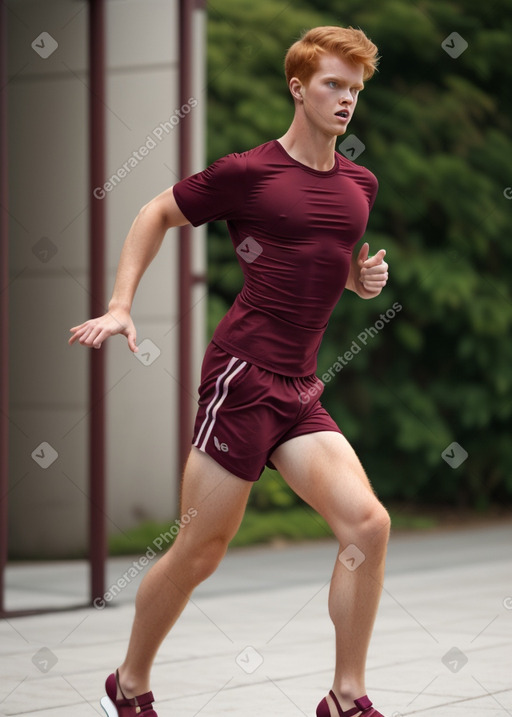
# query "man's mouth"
(344, 114)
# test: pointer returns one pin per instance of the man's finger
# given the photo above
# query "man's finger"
(363, 253)
(376, 271)
(375, 281)
(376, 259)
(77, 336)
(83, 336)
(93, 337)
(100, 338)
(131, 342)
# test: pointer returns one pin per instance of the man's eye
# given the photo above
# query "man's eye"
(332, 84)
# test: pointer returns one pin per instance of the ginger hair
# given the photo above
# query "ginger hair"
(352, 45)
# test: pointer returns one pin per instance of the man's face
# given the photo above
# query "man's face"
(330, 96)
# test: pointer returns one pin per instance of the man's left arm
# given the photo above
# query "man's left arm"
(367, 276)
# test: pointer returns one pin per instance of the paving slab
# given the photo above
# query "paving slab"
(256, 638)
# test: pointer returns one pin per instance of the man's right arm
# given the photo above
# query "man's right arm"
(140, 248)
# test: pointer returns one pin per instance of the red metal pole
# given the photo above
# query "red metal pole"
(4, 309)
(97, 477)
(185, 239)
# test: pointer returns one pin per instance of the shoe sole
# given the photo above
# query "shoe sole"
(109, 707)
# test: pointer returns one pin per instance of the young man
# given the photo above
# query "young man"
(295, 210)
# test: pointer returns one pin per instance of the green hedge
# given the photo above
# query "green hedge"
(436, 130)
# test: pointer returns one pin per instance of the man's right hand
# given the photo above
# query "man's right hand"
(139, 249)
(93, 333)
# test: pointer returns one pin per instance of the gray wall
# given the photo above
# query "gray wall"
(48, 165)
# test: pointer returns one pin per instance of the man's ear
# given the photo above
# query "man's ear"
(296, 88)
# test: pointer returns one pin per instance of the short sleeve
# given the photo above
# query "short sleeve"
(218, 192)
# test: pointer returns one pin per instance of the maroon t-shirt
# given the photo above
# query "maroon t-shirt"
(294, 229)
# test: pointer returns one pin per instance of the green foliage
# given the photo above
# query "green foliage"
(271, 491)
(298, 522)
(436, 131)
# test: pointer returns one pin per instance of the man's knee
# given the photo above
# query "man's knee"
(369, 525)
(202, 558)
(376, 523)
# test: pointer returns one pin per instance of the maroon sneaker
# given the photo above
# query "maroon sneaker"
(363, 706)
(142, 705)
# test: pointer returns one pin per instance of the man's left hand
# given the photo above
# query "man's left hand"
(373, 273)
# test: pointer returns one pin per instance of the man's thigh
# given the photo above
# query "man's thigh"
(324, 470)
(214, 497)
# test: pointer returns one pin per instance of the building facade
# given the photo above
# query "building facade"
(49, 198)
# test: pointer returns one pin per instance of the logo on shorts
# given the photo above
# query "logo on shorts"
(220, 446)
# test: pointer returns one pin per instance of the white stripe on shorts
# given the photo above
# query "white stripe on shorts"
(222, 384)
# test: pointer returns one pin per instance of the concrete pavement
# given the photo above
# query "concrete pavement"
(256, 640)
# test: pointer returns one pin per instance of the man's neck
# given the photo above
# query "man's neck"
(309, 147)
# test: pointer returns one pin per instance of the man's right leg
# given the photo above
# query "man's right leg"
(220, 499)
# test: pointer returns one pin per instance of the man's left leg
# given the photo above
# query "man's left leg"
(323, 469)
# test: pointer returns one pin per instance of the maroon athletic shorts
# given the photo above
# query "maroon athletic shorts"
(246, 412)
